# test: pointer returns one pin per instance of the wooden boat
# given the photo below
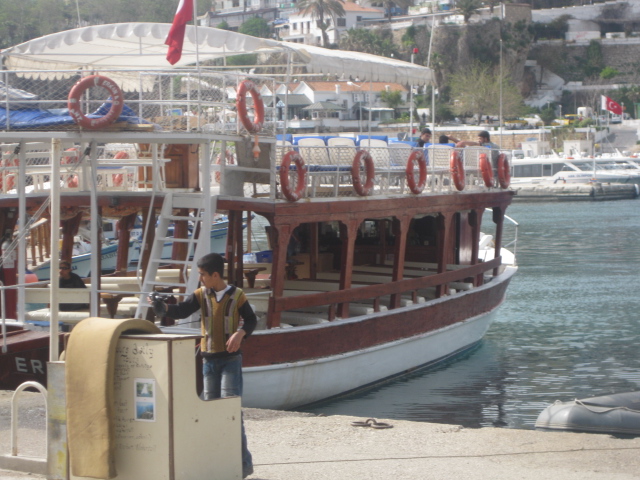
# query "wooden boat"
(617, 414)
(386, 276)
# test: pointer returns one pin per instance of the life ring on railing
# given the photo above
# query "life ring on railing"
(258, 105)
(486, 169)
(363, 189)
(416, 155)
(75, 110)
(456, 169)
(301, 171)
(504, 171)
(72, 180)
(118, 178)
(9, 178)
(228, 159)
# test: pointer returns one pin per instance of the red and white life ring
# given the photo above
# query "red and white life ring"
(301, 171)
(363, 189)
(9, 177)
(72, 180)
(75, 108)
(486, 169)
(118, 177)
(504, 171)
(258, 106)
(416, 156)
(457, 170)
(229, 160)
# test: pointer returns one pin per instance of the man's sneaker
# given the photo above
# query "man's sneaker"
(247, 470)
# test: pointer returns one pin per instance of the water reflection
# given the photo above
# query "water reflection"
(569, 328)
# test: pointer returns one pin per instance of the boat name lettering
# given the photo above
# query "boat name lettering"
(32, 366)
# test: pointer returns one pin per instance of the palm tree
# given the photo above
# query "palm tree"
(468, 8)
(319, 9)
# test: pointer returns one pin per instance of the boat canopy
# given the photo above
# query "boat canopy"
(140, 46)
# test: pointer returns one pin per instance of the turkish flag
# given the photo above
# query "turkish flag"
(613, 107)
(175, 39)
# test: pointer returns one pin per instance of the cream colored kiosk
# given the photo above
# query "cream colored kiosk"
(160, 428)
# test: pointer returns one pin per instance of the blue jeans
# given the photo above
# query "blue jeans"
(223, 378)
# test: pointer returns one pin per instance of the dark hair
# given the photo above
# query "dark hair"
(211, 263)
(484, 134)
(443, 139)
(64, 263)
(426, 130)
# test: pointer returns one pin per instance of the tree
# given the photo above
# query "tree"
(392, 98)
(468, 8)
(376, 42)
(321, 9)
(256, 27)
(476, 90)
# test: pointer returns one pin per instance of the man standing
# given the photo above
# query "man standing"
(68, 279)
(226, 319)
(484, 140)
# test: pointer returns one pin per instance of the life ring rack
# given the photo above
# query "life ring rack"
(74, 105)
(301, 173)
(258, 105)
(416, 156)
(363, 189)
(456, 168)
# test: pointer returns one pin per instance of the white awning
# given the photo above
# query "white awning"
(140, 46)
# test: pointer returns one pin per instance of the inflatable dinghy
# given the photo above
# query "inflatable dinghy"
(616, 414)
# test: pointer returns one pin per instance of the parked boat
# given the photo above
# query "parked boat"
(375, 268)
(559, 170)
(617, 414)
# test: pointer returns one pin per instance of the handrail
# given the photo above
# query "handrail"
(373, 291)
(14, 413)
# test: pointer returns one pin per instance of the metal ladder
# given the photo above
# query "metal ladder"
(201, 221)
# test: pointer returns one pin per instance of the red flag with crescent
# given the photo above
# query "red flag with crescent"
(613, 107)
(175, 38)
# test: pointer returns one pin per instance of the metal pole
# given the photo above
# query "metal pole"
(54, 262)
(433, 87)
(411, 105)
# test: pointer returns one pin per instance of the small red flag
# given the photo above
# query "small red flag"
(613, 107)
(175, 39)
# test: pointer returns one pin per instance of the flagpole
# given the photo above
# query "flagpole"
(195, 25)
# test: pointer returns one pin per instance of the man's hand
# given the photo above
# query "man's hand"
(233, 344)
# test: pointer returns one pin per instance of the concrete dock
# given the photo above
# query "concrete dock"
(290, 445)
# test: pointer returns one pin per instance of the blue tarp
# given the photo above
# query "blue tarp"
(37, 119)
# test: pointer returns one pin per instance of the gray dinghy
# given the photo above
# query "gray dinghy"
(616, 414)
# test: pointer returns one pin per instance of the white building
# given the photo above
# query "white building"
(304, 29)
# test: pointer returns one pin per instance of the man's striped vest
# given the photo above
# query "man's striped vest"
(220, 320)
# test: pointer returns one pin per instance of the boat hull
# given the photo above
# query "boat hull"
(26, 358)
(365, 350)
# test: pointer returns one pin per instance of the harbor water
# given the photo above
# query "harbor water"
(570, 327)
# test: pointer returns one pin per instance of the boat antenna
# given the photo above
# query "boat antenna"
(78, 11)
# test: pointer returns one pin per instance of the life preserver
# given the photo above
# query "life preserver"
(301, 171)
(363, 190)
(504, 171)
(229, 160)
(258, 106)
(416, 155)
(75, 109)
(456, 169)
(118, 177)
(9, 178)
(486, 169)
(72, 181)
